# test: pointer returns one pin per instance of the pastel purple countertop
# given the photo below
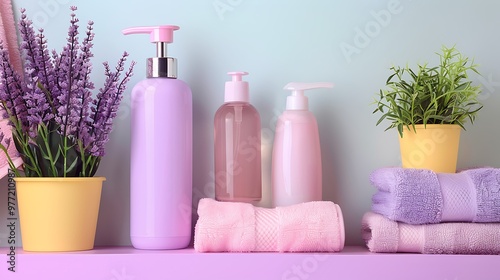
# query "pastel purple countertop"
(125, 263)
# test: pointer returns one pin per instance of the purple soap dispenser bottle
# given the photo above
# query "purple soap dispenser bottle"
(161, 151)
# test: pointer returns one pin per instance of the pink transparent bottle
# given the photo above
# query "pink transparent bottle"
(237, 145)
(161, 151)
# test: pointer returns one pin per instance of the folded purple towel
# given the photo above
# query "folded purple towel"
(419, 196)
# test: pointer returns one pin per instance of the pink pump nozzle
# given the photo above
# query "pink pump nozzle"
(161, 65)
(162, 33)
(236, 89)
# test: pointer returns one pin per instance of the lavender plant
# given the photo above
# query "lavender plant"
(58, 127)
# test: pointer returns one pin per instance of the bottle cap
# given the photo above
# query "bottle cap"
(297, 100)
(236, 89)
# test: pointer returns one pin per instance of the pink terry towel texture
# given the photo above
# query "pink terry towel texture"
(383, 235)
(241, 227)
(8, 36)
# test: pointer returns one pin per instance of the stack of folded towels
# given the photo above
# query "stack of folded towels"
(315, 226)
(420, 211)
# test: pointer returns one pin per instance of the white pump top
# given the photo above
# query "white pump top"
(298, 101)
(236, 89)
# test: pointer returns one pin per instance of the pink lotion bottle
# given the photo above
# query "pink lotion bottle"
(296, 159)
(237, 145)
(161, 151)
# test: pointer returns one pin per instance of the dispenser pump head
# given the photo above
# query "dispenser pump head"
(298, 101)
(236, 89)
(161, 65)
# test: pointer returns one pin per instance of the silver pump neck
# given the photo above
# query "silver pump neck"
(161, 65)
(161, 49)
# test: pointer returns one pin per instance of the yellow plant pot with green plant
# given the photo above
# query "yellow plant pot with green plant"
(429, 107)
(59, 129)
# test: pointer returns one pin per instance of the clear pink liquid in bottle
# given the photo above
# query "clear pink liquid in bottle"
(237, 146)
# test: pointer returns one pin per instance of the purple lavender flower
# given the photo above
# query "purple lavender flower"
(39, 74)
(85, 94)
(29, 43)
(69, 70)
(38, 108)
(107, 103)
(11, 93)
(52, 107)
(5, 141)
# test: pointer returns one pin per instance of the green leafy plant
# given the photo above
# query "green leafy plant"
(443, 94)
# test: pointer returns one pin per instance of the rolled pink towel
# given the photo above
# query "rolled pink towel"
(383, 235)
(241, 227)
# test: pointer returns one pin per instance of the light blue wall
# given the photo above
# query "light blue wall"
(350, 43)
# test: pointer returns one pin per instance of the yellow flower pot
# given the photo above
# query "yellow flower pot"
(434, 147)
(58, 214)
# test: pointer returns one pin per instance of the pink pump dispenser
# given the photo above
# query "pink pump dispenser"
(236, 90)
(296, 161)
(237, 145)
(161, 151)
(161, 65)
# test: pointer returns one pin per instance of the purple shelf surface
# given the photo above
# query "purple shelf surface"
(126, 263)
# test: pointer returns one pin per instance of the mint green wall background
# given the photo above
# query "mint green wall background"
(350, 43)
